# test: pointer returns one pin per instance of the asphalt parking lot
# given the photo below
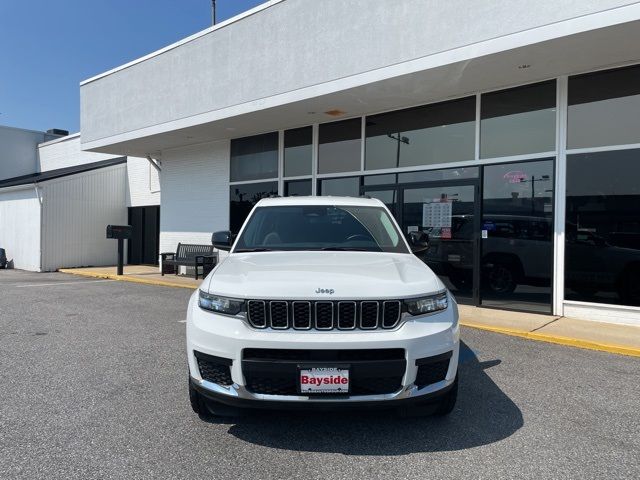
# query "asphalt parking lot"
(93, 384)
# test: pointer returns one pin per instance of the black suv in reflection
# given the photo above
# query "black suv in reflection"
(518, 251)
(594, 264)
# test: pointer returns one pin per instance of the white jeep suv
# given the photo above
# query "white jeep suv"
(321, 303)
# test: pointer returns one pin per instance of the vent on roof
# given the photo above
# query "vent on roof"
(58, 131)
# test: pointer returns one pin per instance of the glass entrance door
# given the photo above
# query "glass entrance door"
(517, 232)
(449, 214)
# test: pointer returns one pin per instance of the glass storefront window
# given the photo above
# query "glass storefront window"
(380, 179)
(339, 146)
(602, 247)
(438, 175)
(427, 135)
(518, 121)
(517, 244)
(244, 197)
(297, 152)
(603, 108)
(299, 188)
(340, 187)
(254, 158)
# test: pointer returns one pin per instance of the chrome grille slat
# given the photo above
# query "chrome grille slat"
(321, 313)
(279, 314)
(257, 313)
(369, 320)
(299, 322)
(391, 311)
(351, 320)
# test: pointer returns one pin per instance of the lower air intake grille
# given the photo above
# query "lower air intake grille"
(276, 372)
(432, 369)
(214, 369)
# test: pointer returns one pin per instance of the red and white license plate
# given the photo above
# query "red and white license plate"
(324, 380)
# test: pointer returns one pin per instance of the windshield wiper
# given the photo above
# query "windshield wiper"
(258, 249)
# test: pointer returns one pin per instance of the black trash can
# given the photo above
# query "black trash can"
(3, 259)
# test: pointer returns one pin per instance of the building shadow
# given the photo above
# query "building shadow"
(484, 414)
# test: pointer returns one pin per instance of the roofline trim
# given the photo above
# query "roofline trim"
(49, 175)
(188, 39)
(61, 139)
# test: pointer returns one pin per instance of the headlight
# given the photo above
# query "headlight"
(433, 303)
(215, 303)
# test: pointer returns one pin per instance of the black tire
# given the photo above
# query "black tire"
(462, 283)
(584, 290)
(204, 407)
(448, 402)
(198, 403)
(629, 287)
(442, 407)
(501, 279)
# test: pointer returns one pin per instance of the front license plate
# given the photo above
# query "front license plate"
(324, 380)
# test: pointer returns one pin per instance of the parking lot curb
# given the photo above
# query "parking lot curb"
(124, 278)
(566, 341)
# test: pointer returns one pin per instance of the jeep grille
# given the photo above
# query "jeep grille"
(324, 315)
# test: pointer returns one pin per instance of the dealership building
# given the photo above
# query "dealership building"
(509, 131)
(56, 200)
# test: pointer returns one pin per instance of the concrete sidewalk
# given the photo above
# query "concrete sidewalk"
(147, 274)
(607, 337)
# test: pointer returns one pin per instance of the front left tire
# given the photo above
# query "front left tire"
(198, 403)
(448, 402)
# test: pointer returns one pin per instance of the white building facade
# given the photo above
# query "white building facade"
(508, 131)
(54, 214)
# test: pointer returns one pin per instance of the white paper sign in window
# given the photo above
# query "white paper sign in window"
(437, 214)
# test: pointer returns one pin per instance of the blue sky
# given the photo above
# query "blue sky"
(49, 46)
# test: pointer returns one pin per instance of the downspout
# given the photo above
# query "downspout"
(40, 203)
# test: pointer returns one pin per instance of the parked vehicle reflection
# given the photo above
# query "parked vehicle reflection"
(602, 269)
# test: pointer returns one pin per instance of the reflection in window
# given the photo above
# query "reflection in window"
(340, 187)
(339, 146)
(438, 175)
(299, 188)
(380, 179)
(518, 121)
(439, 133)
(602, 249)
(254, 158)
(603, 108)
(297, 152)
(244, 197)
(517, 252)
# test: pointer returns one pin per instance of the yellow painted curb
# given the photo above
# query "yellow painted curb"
(124, 278)
(571, 342)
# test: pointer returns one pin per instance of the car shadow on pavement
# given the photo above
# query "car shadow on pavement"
(484, 414)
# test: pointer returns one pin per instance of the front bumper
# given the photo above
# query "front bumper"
(227, 338)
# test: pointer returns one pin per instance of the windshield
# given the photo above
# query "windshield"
(320, 227)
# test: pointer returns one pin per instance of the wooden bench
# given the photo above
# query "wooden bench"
(189, 255)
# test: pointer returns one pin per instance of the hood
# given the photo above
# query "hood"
(322, 275)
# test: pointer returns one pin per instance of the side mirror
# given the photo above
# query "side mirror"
(418, 241)
(222, 240)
